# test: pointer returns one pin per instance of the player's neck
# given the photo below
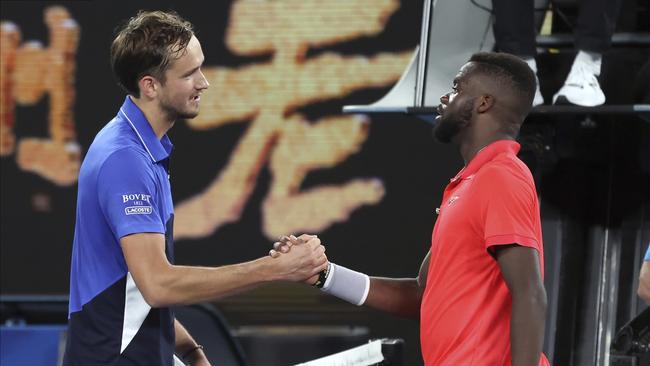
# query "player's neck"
(157, 118)
(470, 146)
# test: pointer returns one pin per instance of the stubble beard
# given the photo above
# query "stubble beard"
(449, 125)
(173, 113)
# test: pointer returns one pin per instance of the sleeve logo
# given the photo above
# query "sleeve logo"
(141, 204)
(138, 210)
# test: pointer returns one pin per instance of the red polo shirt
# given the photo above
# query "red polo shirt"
(466, 307)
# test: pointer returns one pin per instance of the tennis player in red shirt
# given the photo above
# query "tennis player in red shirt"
(480, 294)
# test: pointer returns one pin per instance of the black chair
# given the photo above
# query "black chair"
(209, 328)
(631, 345)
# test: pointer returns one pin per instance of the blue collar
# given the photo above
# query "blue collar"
(158, 149)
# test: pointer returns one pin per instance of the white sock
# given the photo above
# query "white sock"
(590, 60)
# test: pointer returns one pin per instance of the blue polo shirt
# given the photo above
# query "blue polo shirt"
(647, 253)
(123, 189)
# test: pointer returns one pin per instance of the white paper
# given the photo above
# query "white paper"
(368, 354)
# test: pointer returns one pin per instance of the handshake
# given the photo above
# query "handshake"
(300, 259)
(303, 259)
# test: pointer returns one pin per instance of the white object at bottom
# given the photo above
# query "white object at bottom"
(368, 354)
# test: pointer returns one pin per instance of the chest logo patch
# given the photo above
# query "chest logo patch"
(452, 200)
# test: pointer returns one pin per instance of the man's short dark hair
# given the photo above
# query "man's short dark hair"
(146, 44)
(511, 71)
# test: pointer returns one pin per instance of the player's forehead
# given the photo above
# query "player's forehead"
(462, 77)
(190, 58)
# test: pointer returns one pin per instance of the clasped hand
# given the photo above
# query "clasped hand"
(284, 245)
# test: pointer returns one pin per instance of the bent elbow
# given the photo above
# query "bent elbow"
(153, 300)
(534, 296)
(154, 293)
(540, 299)
(154, 286)
(156, 298)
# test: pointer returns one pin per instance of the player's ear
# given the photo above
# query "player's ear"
(485, 102)
(149, 87)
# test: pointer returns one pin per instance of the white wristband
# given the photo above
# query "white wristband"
(346, 284)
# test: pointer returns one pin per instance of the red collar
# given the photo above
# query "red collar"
(485, 155)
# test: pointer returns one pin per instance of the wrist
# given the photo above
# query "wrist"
(346, 284)
(265, 270)
(322, 277)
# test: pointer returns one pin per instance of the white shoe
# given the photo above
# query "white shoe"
(539, 99)
(581, 86)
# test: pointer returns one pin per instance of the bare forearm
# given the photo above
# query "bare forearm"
(527, 327)
(400, 297)
(186, 346)
(186, 285)
(184, 340)
(644, 282)
(164, 284)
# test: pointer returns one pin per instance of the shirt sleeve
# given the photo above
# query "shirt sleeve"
(647, 253)
(510, 212)
(127, 193)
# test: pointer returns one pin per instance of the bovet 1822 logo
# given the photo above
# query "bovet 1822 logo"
(140, 204)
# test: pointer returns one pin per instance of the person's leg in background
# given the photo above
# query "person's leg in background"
(593, 36)
(514, 32)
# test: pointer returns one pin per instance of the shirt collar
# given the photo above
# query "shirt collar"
(158, 149)
(485, 155)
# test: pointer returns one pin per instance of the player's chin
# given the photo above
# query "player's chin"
(192, 109)
(190, 113)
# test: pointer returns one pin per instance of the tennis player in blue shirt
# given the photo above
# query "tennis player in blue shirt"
(123, 280)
